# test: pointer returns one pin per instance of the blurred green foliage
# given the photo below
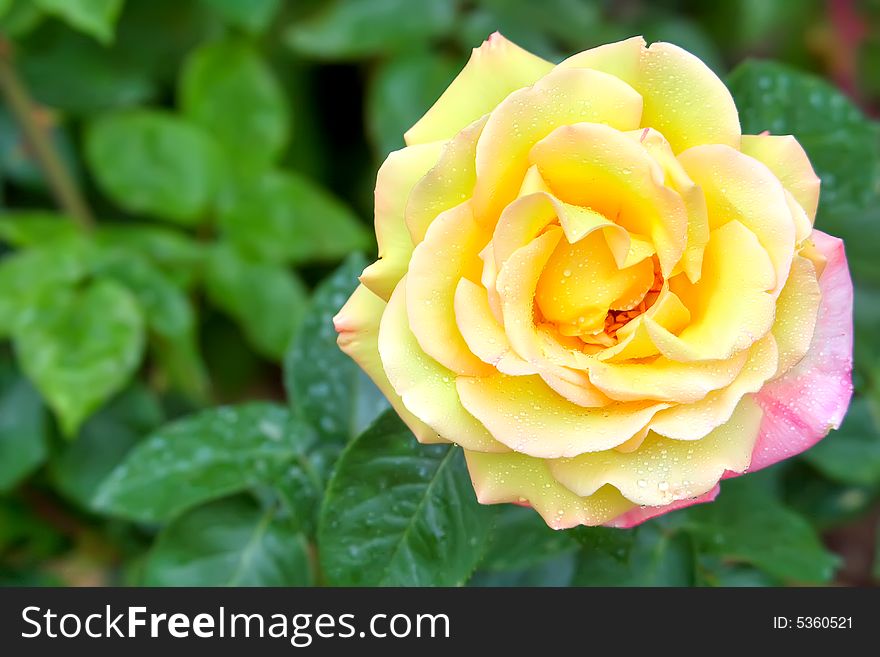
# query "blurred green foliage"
(173, 407)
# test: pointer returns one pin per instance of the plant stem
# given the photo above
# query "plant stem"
(63, 186)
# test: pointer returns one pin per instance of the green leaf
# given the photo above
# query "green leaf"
(78, 468)
(20, 18)
(177, 255)
(654, 557)
(521, 540)
(25, 275)
(35, 227)
(400, 92)
(80, 347)
(325, 386)
(23, 428)
(169, 315)
(714, 571)
(401, 514)
(54, 61)
(825, 504)
(300, 488)
(167, 309)
(347, 29)
(227, 88)
(771, 96)
(154, 163)
(96, 18)
(555, 571)
(253, 16)
(231, 542)
(279, 216)
(616, 543)
(748, 524)
(268, 301)
(203, 457)
(851, 455)
(4, 7)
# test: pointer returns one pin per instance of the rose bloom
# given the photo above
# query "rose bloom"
(591, 281)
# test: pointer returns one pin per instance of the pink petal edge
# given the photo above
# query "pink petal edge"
(640, 514)
(803, 405)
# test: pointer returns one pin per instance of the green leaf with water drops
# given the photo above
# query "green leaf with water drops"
(748, 524)
(653, 555)
(96, 18)
(615, 543)
(23, 427)
(346, 29)
(228, 88)
(203, 457)
(712, 570)
(556, 570)
(521, 540)
(323, 384)
(280, 216)
(78, 468)
(155, 163)
(267, 300)
(851, 455)
(772, 96)
(398, 513)
(230, 542)
(80, 347)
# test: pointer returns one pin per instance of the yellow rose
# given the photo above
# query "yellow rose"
(598, 287)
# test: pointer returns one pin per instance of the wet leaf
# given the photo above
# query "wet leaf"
(231, 542)
(397, 513)
(323, 384)
(80, 347)
(203, 457)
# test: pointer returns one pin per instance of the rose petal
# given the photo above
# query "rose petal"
(595, 166)
(696, 420)
(495, 69)
(691, 194)
(449, 252)
(520, 479)
(662, 471)
(394, 182)
(481, 331)
(641, 514)
(426, 387)
(740, 188)
(797, 310)
(450, 182)
(788, 161)
(529, 417)
(801, 406)
(528, 115)
(683, 98)
(358, 326)
(731, 306)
